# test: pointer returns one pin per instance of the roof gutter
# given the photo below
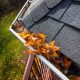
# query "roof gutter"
(52, 67)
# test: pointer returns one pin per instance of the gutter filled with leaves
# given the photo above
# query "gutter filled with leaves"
(49, 50)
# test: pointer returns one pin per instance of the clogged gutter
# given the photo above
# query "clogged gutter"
(48, 50)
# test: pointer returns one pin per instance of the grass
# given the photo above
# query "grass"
(11, 67)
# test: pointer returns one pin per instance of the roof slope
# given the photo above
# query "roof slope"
(60, 20)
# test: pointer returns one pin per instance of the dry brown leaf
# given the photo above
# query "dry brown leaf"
(52, 43)
(66, 63)
(30, 52)
(42, 36)
(55, 54)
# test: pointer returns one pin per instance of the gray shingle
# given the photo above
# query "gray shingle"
(48, 27)
(27, 19)
(52, 3)
(60, 9)
(39, 10)
(76, 0)
(76, 21)
(72, 16)
(69, 42)
(36, 11)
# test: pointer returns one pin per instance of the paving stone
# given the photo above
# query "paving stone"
(58, 11)
(69, 42)
(52, 3)
(72, 15)
(47, 26)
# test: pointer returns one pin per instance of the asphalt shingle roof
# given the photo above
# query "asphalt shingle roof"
(69, 41)
(72, 15)
(59, 20)
(60, 9)
(51, 28)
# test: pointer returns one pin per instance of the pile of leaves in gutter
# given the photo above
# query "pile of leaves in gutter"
(41, 47)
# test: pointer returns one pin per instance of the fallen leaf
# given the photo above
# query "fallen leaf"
(30, 52)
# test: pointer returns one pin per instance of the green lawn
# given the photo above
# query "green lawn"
(11, 67)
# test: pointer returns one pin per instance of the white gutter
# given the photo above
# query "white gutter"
(52, 67)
